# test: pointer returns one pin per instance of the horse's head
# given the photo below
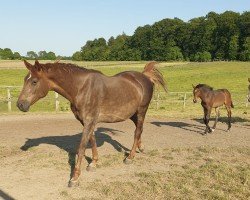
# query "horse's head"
(248, 90)
(196, 93)
(35, 87)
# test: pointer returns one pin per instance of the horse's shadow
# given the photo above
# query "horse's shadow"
(183, 125)
(69, 143)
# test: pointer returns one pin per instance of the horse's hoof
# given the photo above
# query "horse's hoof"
(212, 130)
(228, 130)
(141, 148)
(127, 161)
(91, 167)
(73, 183)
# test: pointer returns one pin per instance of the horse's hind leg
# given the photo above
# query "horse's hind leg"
(92, 165)
(229, 113)
(217, 111)
(207, 112)
(138, 119)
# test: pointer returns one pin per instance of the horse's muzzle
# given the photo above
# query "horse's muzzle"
(194, 100)
(23, 105)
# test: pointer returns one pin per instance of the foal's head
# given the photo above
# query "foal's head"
(36, 86)
(196, 93)
(199, 89)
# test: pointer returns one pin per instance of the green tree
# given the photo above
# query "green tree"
(17, 56)
(6, 54)
(245, 53)
(51, 56)
(32, 55)
(233, 48)
(77, 56)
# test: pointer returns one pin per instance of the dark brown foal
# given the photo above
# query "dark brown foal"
(94, 98)
(213, 99)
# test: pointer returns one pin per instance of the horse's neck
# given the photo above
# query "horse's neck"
(204, 95)
(64, 84)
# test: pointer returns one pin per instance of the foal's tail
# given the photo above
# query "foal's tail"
(154, 75)
(228, 98)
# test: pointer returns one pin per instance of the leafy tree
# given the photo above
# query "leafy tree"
(233, 48)
(77, 56)
(32, 55)
(51, 56)
(6, 54)
(17, 56)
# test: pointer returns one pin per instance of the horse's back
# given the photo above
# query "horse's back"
(123, 94)
(222, 96)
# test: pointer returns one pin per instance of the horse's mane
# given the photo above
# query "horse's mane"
(204, 86)
(66, 67)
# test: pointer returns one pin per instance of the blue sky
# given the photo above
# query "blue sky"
(63, 26)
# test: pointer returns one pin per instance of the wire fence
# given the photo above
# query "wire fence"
(53, 102)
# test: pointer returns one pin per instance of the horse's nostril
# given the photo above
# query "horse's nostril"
(23, 106)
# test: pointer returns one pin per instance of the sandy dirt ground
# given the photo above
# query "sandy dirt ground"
(36, 151)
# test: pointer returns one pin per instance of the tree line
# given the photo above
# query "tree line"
(7, 54)
(223, 36)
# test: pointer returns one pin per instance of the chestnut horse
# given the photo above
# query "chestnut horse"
(94, 98)
(213, 99)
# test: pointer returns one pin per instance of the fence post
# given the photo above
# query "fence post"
(9, 99)
(184, 100)
(57, 101)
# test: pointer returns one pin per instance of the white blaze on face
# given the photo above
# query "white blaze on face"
(29, 77)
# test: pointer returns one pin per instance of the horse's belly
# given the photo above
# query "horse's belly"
(117, 114)
(114, 117)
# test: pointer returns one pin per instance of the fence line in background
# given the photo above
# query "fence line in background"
(156, 98)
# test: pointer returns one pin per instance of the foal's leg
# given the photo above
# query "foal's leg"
(87, 131)
(138, 119)
(217, 111)
(207, 112)
(229, 114)
(92, 165)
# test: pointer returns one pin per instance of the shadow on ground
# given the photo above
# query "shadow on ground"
(69, 143)
(183, 125)
(225, 120)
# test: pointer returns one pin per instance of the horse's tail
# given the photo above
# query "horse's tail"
(154, 75)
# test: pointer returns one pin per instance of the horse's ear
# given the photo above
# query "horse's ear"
(28, 65)
(249, 80)
(193, 85)
(37, 65)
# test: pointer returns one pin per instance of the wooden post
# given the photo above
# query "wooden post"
(9, 99)
(57, 101)
(184, 100)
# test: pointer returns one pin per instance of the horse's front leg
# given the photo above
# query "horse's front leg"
(87, 131)
(207, 112)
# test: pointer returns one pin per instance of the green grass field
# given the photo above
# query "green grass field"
(179, 77)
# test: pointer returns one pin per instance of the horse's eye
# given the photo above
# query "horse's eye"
(34, 82)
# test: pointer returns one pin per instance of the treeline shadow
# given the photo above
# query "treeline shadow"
(69, 143)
